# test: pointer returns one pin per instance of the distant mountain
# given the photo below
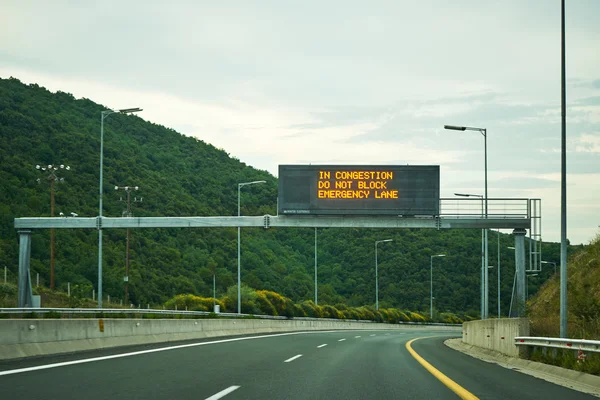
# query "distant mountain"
(183, 176)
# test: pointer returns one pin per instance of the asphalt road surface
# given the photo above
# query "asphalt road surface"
(311, 365)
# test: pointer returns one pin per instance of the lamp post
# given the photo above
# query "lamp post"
(377, 274)
(316, 267)
(239, 281)
(431, 284)
(550, 262)
(483, 132)
(483, 290)
(103, 115)
(127, 214)
(52, 169)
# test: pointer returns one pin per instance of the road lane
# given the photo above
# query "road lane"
(489, 381)
(353, 365)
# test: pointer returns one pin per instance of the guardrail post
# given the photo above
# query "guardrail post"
(25, 296)
(520, 301)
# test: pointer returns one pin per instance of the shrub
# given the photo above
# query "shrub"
(264, 304)
(403, 317)
(331, 312)
(416, 317)
(311, 309)
(299, 311)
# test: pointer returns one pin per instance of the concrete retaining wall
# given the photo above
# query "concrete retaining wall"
(35, 337)
(497, 334)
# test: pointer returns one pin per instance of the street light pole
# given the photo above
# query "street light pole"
(316, 266)
(483, 263)
(103, 115)
(377, 274)
(431, 284)
(52, 178)
(563, 183)
(239, 276)
(483, 131)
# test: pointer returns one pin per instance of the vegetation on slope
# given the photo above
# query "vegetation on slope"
(184, 176)
(583, 299)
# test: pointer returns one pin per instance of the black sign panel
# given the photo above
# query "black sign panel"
(359, 190)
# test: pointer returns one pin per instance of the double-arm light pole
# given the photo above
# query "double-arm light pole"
(483, 132)
(239, 280)
(52, 177)
(377, 274)
(103, 115)
(127, 214)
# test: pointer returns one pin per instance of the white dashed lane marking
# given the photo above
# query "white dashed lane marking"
(223, 393)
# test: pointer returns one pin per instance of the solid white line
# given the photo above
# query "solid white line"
(341, 340)
(356, 337)
(223, 393)
(323, 345)
(135, 353)
(293, 358)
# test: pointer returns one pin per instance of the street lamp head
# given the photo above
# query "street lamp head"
(511, 247)
(455, 128)
(468, 195)
(116, 188)
(250, 183)
(37, 167)
(129, 110)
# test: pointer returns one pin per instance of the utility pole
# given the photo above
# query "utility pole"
(52, 177)
(128, 214)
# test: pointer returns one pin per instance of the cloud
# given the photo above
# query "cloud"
(588, 143)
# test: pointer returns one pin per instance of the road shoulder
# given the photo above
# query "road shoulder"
(575, 380)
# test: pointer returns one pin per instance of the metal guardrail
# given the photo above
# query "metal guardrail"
(141, 311)
(559, 343)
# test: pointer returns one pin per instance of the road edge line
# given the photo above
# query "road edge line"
(449, 383)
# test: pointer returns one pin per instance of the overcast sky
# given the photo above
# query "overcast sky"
(333, 82)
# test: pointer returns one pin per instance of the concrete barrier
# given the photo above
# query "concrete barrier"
(497, 334)
(34, 337)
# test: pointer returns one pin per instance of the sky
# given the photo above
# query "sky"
(344, 82)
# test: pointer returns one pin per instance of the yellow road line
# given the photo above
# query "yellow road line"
(455, 387)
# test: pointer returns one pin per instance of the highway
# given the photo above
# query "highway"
(309, 365)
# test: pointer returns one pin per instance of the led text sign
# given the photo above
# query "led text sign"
(359, 189)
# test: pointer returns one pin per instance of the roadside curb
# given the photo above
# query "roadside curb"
(575, 380)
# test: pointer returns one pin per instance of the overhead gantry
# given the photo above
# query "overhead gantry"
(516, 214)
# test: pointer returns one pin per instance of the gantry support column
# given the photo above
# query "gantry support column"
(25, 294)
(519, 303)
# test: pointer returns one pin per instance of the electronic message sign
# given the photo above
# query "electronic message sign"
(359, 190)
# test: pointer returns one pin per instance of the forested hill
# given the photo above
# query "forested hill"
(183, 176)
